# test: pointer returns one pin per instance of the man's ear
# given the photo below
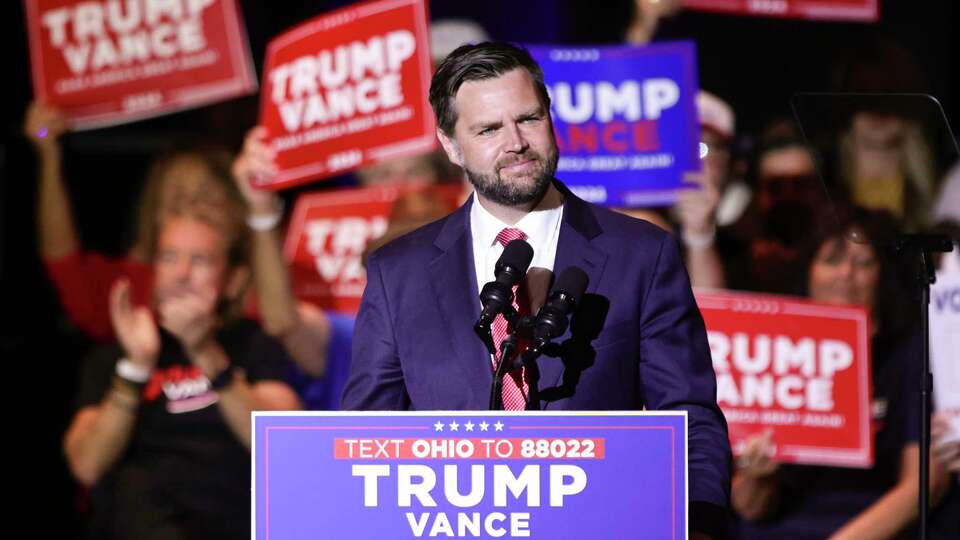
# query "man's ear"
(450, 147)
(237, 281)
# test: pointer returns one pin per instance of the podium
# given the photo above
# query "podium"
(469, 474)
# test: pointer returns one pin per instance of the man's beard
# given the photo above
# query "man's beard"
(517, 193)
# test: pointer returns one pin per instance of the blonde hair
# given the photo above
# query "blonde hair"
(211, 197)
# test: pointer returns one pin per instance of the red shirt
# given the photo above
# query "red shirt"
(83, 281)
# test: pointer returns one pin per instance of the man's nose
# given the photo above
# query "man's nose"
(515, 139)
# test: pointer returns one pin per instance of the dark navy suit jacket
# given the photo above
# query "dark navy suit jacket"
(641, 341)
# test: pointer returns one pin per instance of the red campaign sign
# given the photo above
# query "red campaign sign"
(799, 368)
(329, 232)
(348, 89)
(108, 62)
(826, 10)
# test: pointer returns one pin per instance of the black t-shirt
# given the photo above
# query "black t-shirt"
(184, 474)
(816, 501)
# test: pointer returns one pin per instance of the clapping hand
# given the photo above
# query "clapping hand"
(134, 326)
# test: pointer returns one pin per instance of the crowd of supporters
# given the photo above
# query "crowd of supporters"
(197, 323)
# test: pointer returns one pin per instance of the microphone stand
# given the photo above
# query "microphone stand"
(923, 247)
(507, 349)
(521, 327)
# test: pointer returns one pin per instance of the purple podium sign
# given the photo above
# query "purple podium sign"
(469, 474)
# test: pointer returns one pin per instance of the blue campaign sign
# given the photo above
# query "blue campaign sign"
(470, 475)
(625, 120)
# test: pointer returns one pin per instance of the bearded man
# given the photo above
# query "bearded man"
(637, 340)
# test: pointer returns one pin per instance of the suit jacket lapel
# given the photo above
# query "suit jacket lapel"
(577, 228)
(454, 281)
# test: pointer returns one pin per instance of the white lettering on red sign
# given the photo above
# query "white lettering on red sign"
(337, 245)
(777, 371)
(115, 33)
(360, 77)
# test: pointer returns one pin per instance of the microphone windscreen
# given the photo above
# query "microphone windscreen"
(572, 282)
(517, 254)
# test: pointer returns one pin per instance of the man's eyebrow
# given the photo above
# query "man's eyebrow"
(536, 111)
(484, 125)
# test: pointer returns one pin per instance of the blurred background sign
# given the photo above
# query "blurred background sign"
(101, 65)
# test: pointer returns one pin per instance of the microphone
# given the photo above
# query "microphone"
(497, 295)
(551, 321)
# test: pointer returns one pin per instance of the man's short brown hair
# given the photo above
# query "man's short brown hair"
(478, 62)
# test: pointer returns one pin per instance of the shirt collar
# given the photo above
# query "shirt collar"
(537, 225)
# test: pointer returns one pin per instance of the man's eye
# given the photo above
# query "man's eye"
(486, 131)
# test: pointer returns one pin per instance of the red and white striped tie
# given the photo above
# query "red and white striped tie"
(514, 383)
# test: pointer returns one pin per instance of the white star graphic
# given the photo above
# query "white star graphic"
(484, 425)
(454, 426)
(438, 426)
(498, 426)
(469, 425)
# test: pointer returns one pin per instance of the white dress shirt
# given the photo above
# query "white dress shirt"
(542, 227)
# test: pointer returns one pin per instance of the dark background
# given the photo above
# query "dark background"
(755, 64)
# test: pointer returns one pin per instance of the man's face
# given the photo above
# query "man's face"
(191, 260)
(503, 139)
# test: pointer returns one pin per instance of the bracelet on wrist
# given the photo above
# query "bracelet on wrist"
(135, 373)
(699, 240)
(266, 222)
